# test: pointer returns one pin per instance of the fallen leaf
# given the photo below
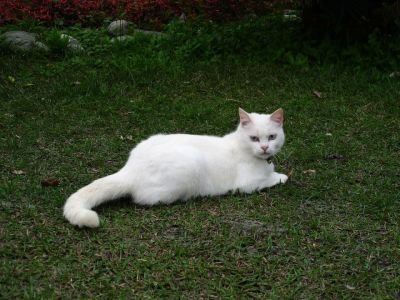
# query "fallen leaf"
(350, 287)
(93, 170)
(359, 176)
(19, 172)
(317, 94)
(290, 173)
(310, 172)
(335, 157)
(50, 182)
(128, 137)
(11, 79)
(328, 134)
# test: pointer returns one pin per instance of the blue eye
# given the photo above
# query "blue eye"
(254, 139)
(271, 137)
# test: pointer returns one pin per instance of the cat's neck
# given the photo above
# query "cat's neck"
(232, 136)
(235, 138)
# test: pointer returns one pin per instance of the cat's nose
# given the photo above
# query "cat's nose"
(264, 148)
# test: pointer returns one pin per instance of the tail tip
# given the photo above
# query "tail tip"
(84, 218)
(90, 219)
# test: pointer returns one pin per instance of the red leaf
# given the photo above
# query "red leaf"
(50, 182)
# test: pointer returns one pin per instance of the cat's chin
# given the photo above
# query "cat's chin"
(264, 156)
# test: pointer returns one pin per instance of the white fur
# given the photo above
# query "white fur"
(167, 168)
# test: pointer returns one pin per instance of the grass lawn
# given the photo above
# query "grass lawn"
(331, 232)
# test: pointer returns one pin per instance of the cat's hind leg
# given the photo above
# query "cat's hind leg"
(151, 197)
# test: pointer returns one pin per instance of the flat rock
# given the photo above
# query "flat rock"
(40, 45)
(73, 43)
(22, 40)
(149, 32)
(121, 38)
(118, 27)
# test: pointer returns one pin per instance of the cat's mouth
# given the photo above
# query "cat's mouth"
(266, 155)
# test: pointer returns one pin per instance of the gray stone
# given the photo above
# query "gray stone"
(22, 40)
(149, 32)
(124, 38)
(118, 28)
(41, 46)
(121, 38)
(182, 18)
(290, 14)
(73, 43)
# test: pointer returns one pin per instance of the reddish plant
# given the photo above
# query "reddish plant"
(152, 12)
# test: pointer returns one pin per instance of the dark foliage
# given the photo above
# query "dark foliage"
(351, 19)
(153, 13)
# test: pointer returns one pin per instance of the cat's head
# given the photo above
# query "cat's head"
(262, 134)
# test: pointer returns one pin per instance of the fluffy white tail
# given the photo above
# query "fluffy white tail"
(77, 209)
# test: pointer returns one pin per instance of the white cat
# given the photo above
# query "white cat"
(167, 168)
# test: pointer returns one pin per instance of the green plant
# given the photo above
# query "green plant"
(57, 43)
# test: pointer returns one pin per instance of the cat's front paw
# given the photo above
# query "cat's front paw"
(274, 179)
(282, 178)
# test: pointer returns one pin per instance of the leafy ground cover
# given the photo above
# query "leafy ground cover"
(153, 13)
(331, 232)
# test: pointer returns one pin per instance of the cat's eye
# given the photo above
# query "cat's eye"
(271, 137)
(254, 138)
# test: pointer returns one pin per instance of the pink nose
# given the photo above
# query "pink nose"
(264, 148)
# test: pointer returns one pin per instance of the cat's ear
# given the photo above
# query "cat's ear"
(244, 117)
(277, 116)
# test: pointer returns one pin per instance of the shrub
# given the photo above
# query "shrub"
(354, 19)
(149, 12)
(57, 44)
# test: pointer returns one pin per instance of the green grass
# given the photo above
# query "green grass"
(329, 234)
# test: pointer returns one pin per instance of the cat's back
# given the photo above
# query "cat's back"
(173, 141)
(165, 153)
(181, 148)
